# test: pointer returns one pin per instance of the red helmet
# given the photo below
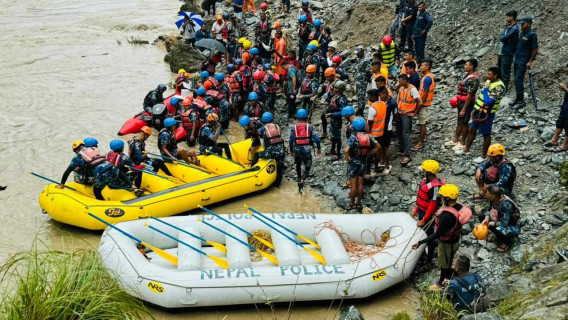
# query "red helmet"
(454, 102)
(263, 5)
(208, 84)
(336, 59)
(387, 40)
(258, 75)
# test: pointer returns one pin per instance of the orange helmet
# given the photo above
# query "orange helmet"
(277, 24)
(187, 75)
(208, 84)
(146, 130)
(258, 75)
(480, 231)
(187, 101)
(311, 68)
(212, 117)
(329, 72)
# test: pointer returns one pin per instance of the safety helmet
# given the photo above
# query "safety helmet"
(247, 44)
(254, 51)
(329, 72)
(277, 24)
(200, 91)
(333, 44)
(187, 74)
(315, 43)
(266, 66)
(91, 142)
(226, 16)
(258, 75)
(336, 59)
(496, 149)
(219, 77)
(311, 68)
(213, 117)
(76, 144)
(116, 145)
(174, 101)
(244, 121)
(267, 117)
(317, 23)
(162, 87)
(358, 124)
(449, 191)
(146, 130)
(387, 40)
(431, 166)
(454, 102)
(253, 96)
(480, 231)
(187, 101)
(263, 5)
(204, 74)
(239, 62)
(242, 40)
(311, 47)
(181, 71)
(347, 111)
(305, 3)
(341, 85)
(208, 85)
(230, 67)
(303, 18)
(301, 114)
(170, 122)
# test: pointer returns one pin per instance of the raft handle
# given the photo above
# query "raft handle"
(259, 185)
(208, 198)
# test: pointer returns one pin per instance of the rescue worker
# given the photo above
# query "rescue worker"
(501, 217)
(527, 49)
(408, 101)
(167, 144)
(466, 288)
(340, 72)
(389, 52)
(246, 72)
(264, 9)
(117, 158)
(291, 88)
(91, 142)
(420, 31)
(305, 10)
(486, 106)
(232, 49)
(561, 124)
(378, 71)
(337, 102)
(208, 136)
(263, 25)
(253, 107)
(272, 80)
(176, 104)
(317, 30)
(154, 97)
(191, 120)
(221, 100)
(428, 201)
(407, 24)
(309, 89)
(304, 30)
(252, 127)
(497, 171)
(236, 86)
(349, 114)
(311, 58)
(227, 28)
(137, 152)
(326, 91)
(448, 224)
(279, 51)
(331, 52)
(82, 170)
(362, 79)
(260, 87)
(302, 137)
(385, 139)
(377, 119)
(427, 87)
(359, 146)
(199, 103)
(273, 146)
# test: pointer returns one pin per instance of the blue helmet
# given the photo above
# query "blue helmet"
(200, 91)
(244, 121)
(230, 67)
(220, 77)
(253, 96)
(170, 122)
(239, 62)
(226, 16)
(359, 124)
(301, 114)
(174, 101)
(204, 74)
(162, 87)
(267, 117)
(253, 51)
(90, 142)
(311, 47)
(347, 111)
(317, 23)
(305, 3)
(267, 66)
(303, 18)
(116, 145)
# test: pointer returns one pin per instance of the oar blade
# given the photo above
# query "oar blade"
(309, 241)
(265, 242)
(268, 256)
(316, 255)
(162, 253)
(219, 261)
(218, 246)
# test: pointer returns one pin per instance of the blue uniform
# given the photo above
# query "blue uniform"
(464, 290)
(302, 153)
(506, 175)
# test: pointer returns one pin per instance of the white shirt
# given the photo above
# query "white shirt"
(217, 30)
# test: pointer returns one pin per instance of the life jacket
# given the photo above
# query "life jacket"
(307, 13)
(479, 104)
(363, 145)
(171, 145)
(462, 217)
(515, 217)
(187, 124)
(427, 101)
(199, 105)
(246, 72)
(131, 146)
(148, 100)
(225, 30)
(462, 90)
(406, 103)
(92, 156)
(217, 97)
(388, 53)
(306, 87)
(329, 88)
(333, 106)
(264, 25)
(493, 172)
(204, 140)
(257, 110)
(233, 82)
(114, 158)
(302, 134)
(245, 56)
(272, 132)
(271, 83)
(214, 82)
(378, 126)
(422, 200)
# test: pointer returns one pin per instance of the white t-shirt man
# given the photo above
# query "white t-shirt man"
(217, 30)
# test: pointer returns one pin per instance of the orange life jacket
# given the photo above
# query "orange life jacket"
(234, 84)
(187, 124)
(378, 125)
(427, 100)
(406, 103)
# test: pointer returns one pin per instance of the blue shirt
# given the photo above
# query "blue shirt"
(427, 83)
(528, 41)
(508, 40)
(414, 80)
(238, 2)
(202, 35)
(291, 75)
(423, 23)
(463, 296)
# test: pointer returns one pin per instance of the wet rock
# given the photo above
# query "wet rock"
(350, 313)
(556, 159)
(483, 254)
(458, 169)
(182, 56)
(547, 134)
(394, 199)
(483, 316)
(316, 5)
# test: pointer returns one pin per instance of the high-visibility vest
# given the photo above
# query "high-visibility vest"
(378, 125)
(388, 53)
(427, 100)
(406, 102)
(479, 102)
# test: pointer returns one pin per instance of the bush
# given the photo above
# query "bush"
(435, 306)
(401, 315)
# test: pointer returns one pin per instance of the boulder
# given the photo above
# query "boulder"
(183, 56)
(350, 313)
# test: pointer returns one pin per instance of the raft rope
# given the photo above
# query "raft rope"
(263, 234)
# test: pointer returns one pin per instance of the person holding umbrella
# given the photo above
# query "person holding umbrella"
(188, 23)
(188, 31)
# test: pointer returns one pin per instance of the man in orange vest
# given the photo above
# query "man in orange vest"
(427, 95)
(381, 125)
(408, 102)
(280, 47)
(376, 118)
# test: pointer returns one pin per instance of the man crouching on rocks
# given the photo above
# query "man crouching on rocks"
(502, 217)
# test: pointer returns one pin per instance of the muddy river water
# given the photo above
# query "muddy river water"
(67, 72)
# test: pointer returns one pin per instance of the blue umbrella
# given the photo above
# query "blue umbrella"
(197, 19)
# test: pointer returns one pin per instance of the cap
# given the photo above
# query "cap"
(526, 20)
(359, 48)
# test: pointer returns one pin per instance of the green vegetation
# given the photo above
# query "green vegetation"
(42, 284)
(564, 174)
(401, 315)
(435, 306)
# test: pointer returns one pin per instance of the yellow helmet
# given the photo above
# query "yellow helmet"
(480, 231)
(449, 191)
(315, 43)
(247, 44)
(496, 149)
(181, 71)
(431, 166)
(242, 40)
(76, 144)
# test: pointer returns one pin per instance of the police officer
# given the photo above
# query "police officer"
(362, 79)
(302, 137)
(273, 146)
(208, 136)
(253, 108)
(309, 89)
(117, 158)
(154, 97)
(138, 155)
(167, 144)
(337, 102)
(252, 127)
(502, 217)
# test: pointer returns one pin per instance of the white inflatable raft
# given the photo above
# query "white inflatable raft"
(197, 281)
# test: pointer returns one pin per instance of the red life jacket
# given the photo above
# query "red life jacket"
(462, 217)
(92, 156)
(493, 171)
(225, 30)
(256, 110)
(199, 105)
(272, 132)
(214, 82)
(302, 134)
(263, 25)
(494, 212)
(234, 84)
(246, 71)
(462, 90)
(216, 95)
(422, 200)
(114, 158)
(364, 144)
(333, 107)
(187, 124)
(306, 87)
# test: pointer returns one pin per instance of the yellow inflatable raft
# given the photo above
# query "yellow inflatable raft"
(216, 179)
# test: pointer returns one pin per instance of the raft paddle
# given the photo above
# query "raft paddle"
(50, 180)
(265, 242)
(172, 179)
(283, 227)
(219, 261)
(162, 253)
(314, 254)
(229, 142)
(215, 245)
(263, 253)
(181, 162)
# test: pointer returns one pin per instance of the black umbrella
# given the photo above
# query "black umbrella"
(211, 44)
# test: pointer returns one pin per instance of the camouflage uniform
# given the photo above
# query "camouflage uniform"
(506, 227)
(303, 153)
(251, 111)
(361, 82)
(356, 167)
(309, 89)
